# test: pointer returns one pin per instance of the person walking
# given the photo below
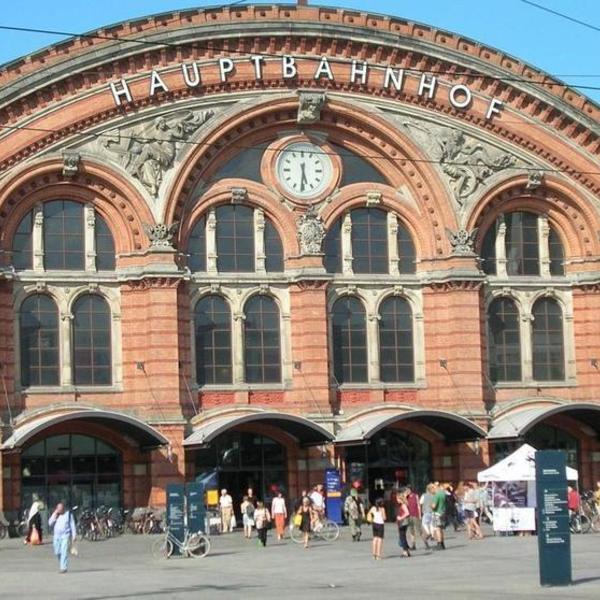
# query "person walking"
(34, 521)
(247, 510)
(307, 518)
(403, 521)
(471, 503)
(355, 514)
(64, 533)
(262, 518)
(427, 511)
(438, 506)
(376, 516)
(226, 507)
(414, 522)
(279, 513)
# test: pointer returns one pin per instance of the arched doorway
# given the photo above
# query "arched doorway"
(242, 459)
(79, 469)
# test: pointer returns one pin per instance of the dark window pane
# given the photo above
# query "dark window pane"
(548, 341)
(332, 248)
(22, 256)
(356, 169)
(105, 245)
(504, 341)
(64, 246)
(244, 165)
(235, 238)
(212, 320)
(406, 250)
(91, 341)
(349, 341)
(273, 249)
(557, 254)
(369, 241)
(262, 341)
(522, 247)
(488, 251)
(396, 341)
(38, 331)
(197, 247)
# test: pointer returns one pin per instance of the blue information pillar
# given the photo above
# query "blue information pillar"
(554, 537)
(176, 511)
(195, 507)
(333, 488)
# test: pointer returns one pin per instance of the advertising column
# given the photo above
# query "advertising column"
(176, 512)
(554, 539)
(333, 488)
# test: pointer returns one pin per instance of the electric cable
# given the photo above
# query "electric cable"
(561, 15)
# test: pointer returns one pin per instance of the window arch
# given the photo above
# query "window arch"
(396, 345)
(92, 348)
(504, 340)
(212, 334)
(350, 356)
(548, 341)
(39, 340)
(262, 340)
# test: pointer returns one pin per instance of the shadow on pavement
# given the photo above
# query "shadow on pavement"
(179, 590)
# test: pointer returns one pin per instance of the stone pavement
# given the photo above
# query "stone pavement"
(123, 568)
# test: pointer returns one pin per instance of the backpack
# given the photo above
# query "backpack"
(250, 509)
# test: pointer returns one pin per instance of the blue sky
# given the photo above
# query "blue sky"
(555, 45)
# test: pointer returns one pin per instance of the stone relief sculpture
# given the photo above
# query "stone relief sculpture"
(310, 105)
(149, 150)
(311, 232)
(468, 163)
(462, 241)
(161, 235)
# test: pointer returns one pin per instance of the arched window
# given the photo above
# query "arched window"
(212, 326)
(332, 248)
(197, 247)
(91, 341)
(273, 249)
(369, 241)
(504, 340)
(349, 341)
(64, 239)
(548, 341)
(39, 339)
(105, 245)
(406, 250)
(396, 346)
(262, 341)
(235, 238)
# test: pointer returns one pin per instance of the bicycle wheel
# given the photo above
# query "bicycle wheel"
(329, 531)
(595, 521)
(162, 548)
(148, 527)
(296, 534)
(2, 532)
(198, 545)
(585, 524)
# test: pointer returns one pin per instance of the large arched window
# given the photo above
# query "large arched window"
(235, 238)
(212, 326)
(548, 341)
(396, 352)
(350, 356)
(262, 340)
(504, 340)
(92, 341)
(39, 340)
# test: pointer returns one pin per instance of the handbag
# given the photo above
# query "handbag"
(370, 516)
(233, 522)
(297, 520)
(34, 538)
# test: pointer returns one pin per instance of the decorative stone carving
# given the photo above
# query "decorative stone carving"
(467, 162)
(149, 150)
(70, 163)
(238, 195)
(161, 235)
(398, 290)
(534, 180)
(374, 198)
(462, 241)
(310, 105)
(311, 232)
(264, 289)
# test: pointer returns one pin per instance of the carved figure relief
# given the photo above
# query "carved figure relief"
(149, 150)
(311, 232)
(310, 105)
(161, 235)
(462, 241)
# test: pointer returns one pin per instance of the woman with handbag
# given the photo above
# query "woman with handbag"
(34, 522)
(247, 509)
(262, 518)
(403, 520)
(376, 516)
(303, 519)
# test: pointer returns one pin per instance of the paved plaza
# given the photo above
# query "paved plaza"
(123, 568)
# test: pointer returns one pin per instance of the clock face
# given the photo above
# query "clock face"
(304, 169)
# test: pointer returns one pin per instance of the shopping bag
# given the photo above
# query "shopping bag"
(233, 523)
(34, 538)
(297, 520)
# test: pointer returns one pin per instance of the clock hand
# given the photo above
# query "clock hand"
(303, 179)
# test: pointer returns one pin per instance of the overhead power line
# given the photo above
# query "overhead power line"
(143, 139)
(332, 59)
(561, 15)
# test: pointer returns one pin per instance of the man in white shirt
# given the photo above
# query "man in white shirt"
(317, 497)
(226, 506)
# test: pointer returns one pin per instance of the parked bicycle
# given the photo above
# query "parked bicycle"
(326, 530)
(589, 508)
(194, 545)
(579, 523)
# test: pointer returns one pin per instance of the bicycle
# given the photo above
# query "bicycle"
(579, 523)
(194, 545)
(326, 530)
(590, 509)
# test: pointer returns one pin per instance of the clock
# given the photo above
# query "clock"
(304, 169)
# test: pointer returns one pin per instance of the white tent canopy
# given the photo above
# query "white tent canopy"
(519, 466)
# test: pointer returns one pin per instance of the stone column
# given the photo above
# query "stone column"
(526, 348)
(501, 248)
(37, 238)
(66, 354)
(90, 238)
(373, 346)
(238, 347)
(211, 241)
(544, 247)
(347, 244)
(393, 243)
(259, 237)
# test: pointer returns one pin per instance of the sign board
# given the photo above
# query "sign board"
(333, 489)
(176, 512)
(514, 519)
(195, 507)
(554, 538)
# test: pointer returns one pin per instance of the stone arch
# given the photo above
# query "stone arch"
(113, 196)
(575, 221)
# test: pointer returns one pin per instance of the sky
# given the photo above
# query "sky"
(562, 48)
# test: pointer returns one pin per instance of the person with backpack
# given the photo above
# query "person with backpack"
(64, 534)
(262, 519)
(355, 514)
(247, 510)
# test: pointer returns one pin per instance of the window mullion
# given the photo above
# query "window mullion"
(347, 244)
(373, 347)
(392, 239)
(90, 237)
(211, 241)
(501, 247)
(526, 324)
(37, 241)
(259, 236)
(66, 344)
(544, 245)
